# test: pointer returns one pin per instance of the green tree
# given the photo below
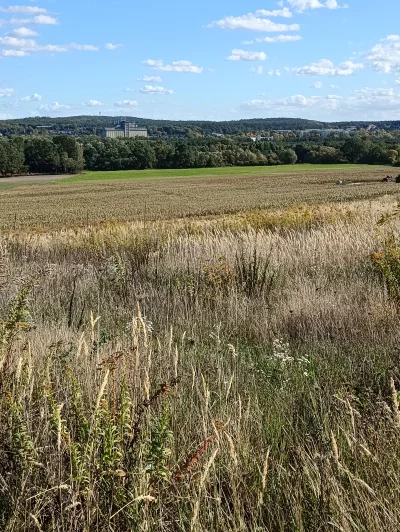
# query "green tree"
(288, 156)
(355, 149)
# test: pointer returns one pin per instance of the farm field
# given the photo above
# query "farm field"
(205, 354)
(211, 172)
(107, 199)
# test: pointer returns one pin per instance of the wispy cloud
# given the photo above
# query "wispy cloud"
(375, 102)
(6, 93)
(255, 22)
(127, 104)
(151, 79)
(54, 107)
(30, 10)
(175, 66)
(112, 47)
(244, 55)
(257, 70)
(24, 32)
(304, 5)
(280, 38)
(155, 89)
(324, 67)
(22, 47)
(33, 98)
(39, 19)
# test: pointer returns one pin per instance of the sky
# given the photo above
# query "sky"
(182, 60)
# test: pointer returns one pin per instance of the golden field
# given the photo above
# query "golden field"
(69, 204)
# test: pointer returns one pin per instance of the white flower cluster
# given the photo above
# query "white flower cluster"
(281, 351)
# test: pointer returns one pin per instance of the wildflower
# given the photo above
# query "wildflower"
(281, 350)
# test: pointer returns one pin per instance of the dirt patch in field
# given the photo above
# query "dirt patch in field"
(30, 179)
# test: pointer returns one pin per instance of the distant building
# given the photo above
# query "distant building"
(259, 137)
(126, 130)
(324, 132)
(284, 132)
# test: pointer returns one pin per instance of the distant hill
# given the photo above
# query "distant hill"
(86, 125)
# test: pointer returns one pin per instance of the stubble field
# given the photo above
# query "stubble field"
(73, 202)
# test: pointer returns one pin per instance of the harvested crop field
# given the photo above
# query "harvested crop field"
(56, 205)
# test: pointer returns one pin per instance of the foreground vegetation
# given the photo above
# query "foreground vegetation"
(225, 374)
(76, 202)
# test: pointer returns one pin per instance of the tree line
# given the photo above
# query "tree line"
(66, 154)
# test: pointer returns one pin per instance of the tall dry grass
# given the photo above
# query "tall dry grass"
(224, 374)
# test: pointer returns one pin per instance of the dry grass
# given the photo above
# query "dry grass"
(165, 376)
(73, 204)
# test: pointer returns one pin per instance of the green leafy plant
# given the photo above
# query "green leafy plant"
(254, 273)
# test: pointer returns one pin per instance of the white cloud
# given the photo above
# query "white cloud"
(175, 66)
(318, 85)
(257, 70)
(127, 104)
(5, 116)
(276, 73)
(332, 4)
(14, 53)
(380, 98)
(243, 55)
(93, 103)
(84, 47)
(111, 46)
(31, 10)
(255, 22)
(247, 42)
(332, 86)
(24, 32)
(392, 38)
(54, 107)
(6, 93)
(304, 5)
(397, 81)
(151, 79)
(297, 101)
(280, 38)
(285, 13)
(324, 67)
(34, 98)
(364, 103)
(39, 19)
(385, 57)
(155, 89)
(30, 45)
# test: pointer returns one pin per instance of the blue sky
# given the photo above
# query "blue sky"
(320, 59)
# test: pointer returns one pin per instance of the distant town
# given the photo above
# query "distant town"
(255, 129)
